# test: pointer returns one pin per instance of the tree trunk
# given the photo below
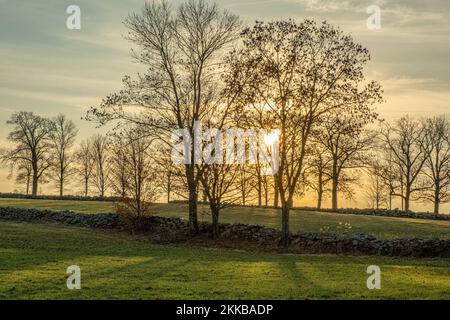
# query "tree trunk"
(275, 193)
(259, 190)
(215, 222)
(407, 200)
(34, 186)
(61, 187)
(436, 200)
(320, 192)
(169, 187)
(193, 196)
(319, 199)
(34, 166)
(285, 223)
(334, 192)
(28, 184)
(86, 186)
(334, 195)
(193, 222)
(266, 194)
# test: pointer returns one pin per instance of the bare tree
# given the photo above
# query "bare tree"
(118, 164)
(346, 141)
(85, 163)
(181, 50)
(221, 190)
(100, 156)
(141, 187)
(244, 180)
(171, 179)
(377, 190)
(319, 174)
(406, 140)
(30, 139)
(389, 174)
(62, 139)
(22, 170)
(288, 76)
(437, 164)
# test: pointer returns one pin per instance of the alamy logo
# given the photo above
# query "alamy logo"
(74, 278)
(374, 21)
(374, 280)
(231, 146)
(73, 22)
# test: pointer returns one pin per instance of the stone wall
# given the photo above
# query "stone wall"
(389, 213)
(319, 243)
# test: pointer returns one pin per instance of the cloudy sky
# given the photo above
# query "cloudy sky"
(46, 68)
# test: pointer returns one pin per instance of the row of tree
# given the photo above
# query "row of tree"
(43, 150)
(408, 159)
(304, 80)
(280, 75)
(39, 146)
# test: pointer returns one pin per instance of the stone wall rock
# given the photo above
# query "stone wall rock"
(306, 242)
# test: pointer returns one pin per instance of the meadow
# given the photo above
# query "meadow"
(301, 221)
(34, 259)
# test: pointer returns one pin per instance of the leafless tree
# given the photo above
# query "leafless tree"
(31, 144)
(84, 161)
(182, 50)
(244, 180)
(319, 174)
(171, 178)
(100, 156)
(389, 174)
(62, 139)
(141, 189)
(221, 190)
(437, 164)
(377, 191)
(118, 165)
(22, 172)
(288, 76)
(346, 141)
(406, 140)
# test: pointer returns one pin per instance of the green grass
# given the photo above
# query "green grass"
(381, 227)
(59, 205)
(34, 259)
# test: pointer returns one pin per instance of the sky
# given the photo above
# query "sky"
(47, 68)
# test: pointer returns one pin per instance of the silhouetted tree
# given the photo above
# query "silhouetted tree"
(30, 144)
(288, 76)
(318, 173)
(62, 139)
(100, 156)
(406, 140)
(118, 165)
(346, 141)
(141, 188)
(22, 172)
(181, 49)
(377, 190)
(84, 163)
(437, 164)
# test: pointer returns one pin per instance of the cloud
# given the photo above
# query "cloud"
(65, 99)
(327, 6)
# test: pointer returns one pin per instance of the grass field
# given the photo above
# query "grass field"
(381, 227)
(34, 259)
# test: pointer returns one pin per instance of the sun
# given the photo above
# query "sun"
(271, 138)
